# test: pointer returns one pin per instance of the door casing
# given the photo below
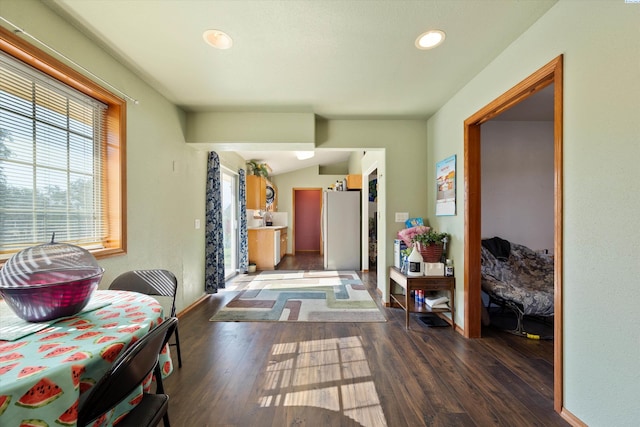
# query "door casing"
(549, 74)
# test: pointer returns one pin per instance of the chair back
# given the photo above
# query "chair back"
(155, 282)
(129, 370)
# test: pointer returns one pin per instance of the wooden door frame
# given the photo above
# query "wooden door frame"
(549, 74)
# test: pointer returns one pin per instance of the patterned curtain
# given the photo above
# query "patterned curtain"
(213, 234)
(242, 203)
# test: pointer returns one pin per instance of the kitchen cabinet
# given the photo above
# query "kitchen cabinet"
(283, 242)
(267, 246)
(354, 182)
(256, 192)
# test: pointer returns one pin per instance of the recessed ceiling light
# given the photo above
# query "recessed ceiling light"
(430, 39)
(218, 39)
(303, 155)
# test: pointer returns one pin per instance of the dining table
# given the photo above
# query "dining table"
(46, 367)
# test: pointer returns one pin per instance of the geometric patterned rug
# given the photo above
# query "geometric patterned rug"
(299, 296)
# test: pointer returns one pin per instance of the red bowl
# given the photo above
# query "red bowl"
(42, 302)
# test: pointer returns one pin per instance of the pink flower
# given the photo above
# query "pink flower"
(407, 234)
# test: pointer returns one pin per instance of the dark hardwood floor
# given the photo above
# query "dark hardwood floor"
(355, 374)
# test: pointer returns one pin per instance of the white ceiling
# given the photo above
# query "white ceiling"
(333, 58)
(286, 161)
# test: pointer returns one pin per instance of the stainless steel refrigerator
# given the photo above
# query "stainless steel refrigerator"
(341, 230)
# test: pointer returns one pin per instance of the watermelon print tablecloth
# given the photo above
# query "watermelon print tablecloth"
(43, 374)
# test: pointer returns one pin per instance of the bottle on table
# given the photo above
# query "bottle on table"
(415, 263)
(448, 268)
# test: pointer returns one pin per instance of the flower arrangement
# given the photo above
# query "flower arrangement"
(428, 241)
(408, 234)
(430, 245)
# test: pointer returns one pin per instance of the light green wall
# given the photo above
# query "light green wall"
(601, 46)
(406, 180)
(404, 144)
(165, 178)
(355, 160)
(341, 168)
(403, 141)
(601, 183)
(287, 129)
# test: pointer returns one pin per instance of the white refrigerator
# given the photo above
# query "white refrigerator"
(341, 230)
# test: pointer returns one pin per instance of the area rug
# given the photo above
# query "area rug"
(299, 296)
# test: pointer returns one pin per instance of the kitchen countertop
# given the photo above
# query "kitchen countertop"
(271, 227)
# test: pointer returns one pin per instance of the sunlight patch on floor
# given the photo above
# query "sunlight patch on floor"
(331, 374)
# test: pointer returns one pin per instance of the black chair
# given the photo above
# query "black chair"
(161, 283)
(128, 371)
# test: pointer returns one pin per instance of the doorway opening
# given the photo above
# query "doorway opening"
(371, 189)
(549, 74)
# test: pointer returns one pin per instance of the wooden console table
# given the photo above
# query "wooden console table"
(425, 283)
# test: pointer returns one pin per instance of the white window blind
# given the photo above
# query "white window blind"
(52, 161)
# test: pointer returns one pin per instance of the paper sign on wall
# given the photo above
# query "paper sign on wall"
(446, 186)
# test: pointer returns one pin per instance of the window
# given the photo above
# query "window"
(61, 155)
(229, 221)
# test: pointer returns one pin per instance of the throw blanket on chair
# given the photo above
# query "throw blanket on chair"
(525, 278)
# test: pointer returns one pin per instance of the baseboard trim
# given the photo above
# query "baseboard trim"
(572, 419)
(192, 305)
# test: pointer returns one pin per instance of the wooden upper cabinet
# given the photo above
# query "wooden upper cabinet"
(354, 182)
(256, 192)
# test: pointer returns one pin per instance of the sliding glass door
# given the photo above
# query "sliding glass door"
(230, 221)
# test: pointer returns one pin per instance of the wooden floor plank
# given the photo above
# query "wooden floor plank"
(354, 374)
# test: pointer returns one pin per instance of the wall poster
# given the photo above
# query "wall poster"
(446, 186)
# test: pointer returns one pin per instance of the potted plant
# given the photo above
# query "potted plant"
(259, 169)
(430, 244)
